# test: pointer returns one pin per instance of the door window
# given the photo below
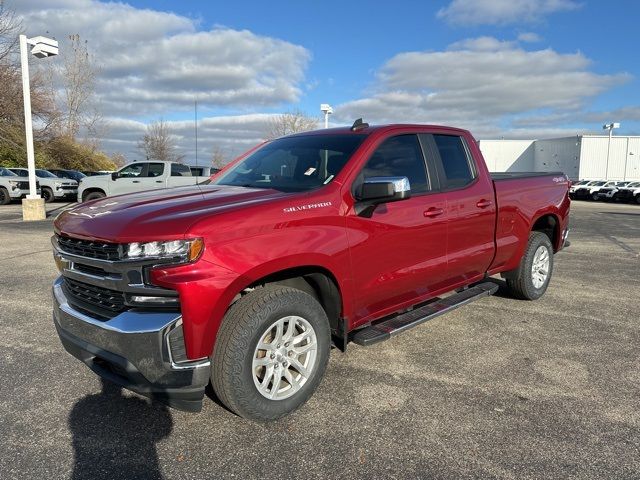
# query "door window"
(155, 170)
(399, 156)
(132, 171)
(180, 170)
(457, 168)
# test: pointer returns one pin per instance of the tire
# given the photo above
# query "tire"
(252, 319)
(594, 197)
(521, 281)
(93, 196)
(637, 199)
(47, 194)
(5, 198)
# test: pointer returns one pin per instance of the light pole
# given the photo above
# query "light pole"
(33, 205)
(610, 127)
(327, 110)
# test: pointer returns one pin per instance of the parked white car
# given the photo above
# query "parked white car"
(53, 187)
(13, 186)
(136, 177)
(628, 193)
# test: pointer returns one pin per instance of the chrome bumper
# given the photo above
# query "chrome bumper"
(133, 350)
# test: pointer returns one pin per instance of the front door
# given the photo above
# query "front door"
(399, 253)
(138, 177)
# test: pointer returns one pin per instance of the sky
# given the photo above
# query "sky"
(500, 68)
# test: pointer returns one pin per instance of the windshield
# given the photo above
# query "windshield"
(45, 174)
(293, 164)
(597, 184)
(6, 173)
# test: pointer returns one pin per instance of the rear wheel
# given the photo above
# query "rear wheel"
(94, 196)
(47, 194)
(5, 198)
(531, 279)
(637, 198)
(271, 352)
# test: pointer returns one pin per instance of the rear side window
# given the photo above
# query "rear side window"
(196, 171)
(457, 167)
(155, 169)
(399, 156)
(179, 170)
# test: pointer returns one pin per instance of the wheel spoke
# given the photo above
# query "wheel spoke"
(299, 338)
(295, 385)
(267, 377)
(291, 328)
(299, 367)
(279, 331)
(304, 348)
(262, 362)
(266, 346)
(276, 385)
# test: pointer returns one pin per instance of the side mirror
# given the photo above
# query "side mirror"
(114, 175)
(378, 190)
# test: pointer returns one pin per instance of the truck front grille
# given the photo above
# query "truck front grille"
(87, 248)
(95, 300)
(23, 185)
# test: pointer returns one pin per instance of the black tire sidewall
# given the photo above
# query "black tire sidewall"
(94, 196)
(247, 400)
(5, 198)
(47, 195)
(536, 241)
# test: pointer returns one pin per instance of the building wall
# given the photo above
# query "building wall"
(580, 157)
(623, 159)
(508, 155)
(558, 155)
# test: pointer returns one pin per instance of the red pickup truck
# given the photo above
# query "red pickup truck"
(307, 242)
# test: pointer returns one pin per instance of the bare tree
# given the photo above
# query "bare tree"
(158, 144)
(218, 158)
(290, 122)
(79, 80)
(10, 28)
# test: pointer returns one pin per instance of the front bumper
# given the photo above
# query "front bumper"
(133, 350)
(65, 192)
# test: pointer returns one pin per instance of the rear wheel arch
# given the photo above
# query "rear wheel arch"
(550, 226)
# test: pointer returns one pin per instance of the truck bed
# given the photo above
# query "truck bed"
(521, 198)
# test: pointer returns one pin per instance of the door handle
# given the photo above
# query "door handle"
(484, 203)
(159, 181)
(135, 181)
(433, 212)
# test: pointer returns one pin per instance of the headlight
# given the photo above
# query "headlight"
(57, 185)
(185, 250)
(14, 184)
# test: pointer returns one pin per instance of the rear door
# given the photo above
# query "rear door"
(471, 208)
(399, 252)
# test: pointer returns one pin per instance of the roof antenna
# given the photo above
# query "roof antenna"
(358, 125)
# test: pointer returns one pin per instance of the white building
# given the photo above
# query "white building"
(580, 157)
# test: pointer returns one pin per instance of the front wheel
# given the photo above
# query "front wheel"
(271, 352)
(47, 194)
(531, 279)
(595, 197)
(5, 198)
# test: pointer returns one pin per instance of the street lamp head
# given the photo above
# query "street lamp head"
(610, 126)
(326, 109)
(43, 47)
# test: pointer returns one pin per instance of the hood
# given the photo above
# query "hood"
(157, 214)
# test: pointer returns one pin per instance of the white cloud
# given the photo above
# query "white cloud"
(529, 37)
(154, 62)
(481, 84)
(232, 134)
(501, 12)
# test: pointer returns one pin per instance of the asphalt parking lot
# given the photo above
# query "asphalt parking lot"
(498, 389)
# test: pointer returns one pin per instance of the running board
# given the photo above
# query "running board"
(398, 324)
